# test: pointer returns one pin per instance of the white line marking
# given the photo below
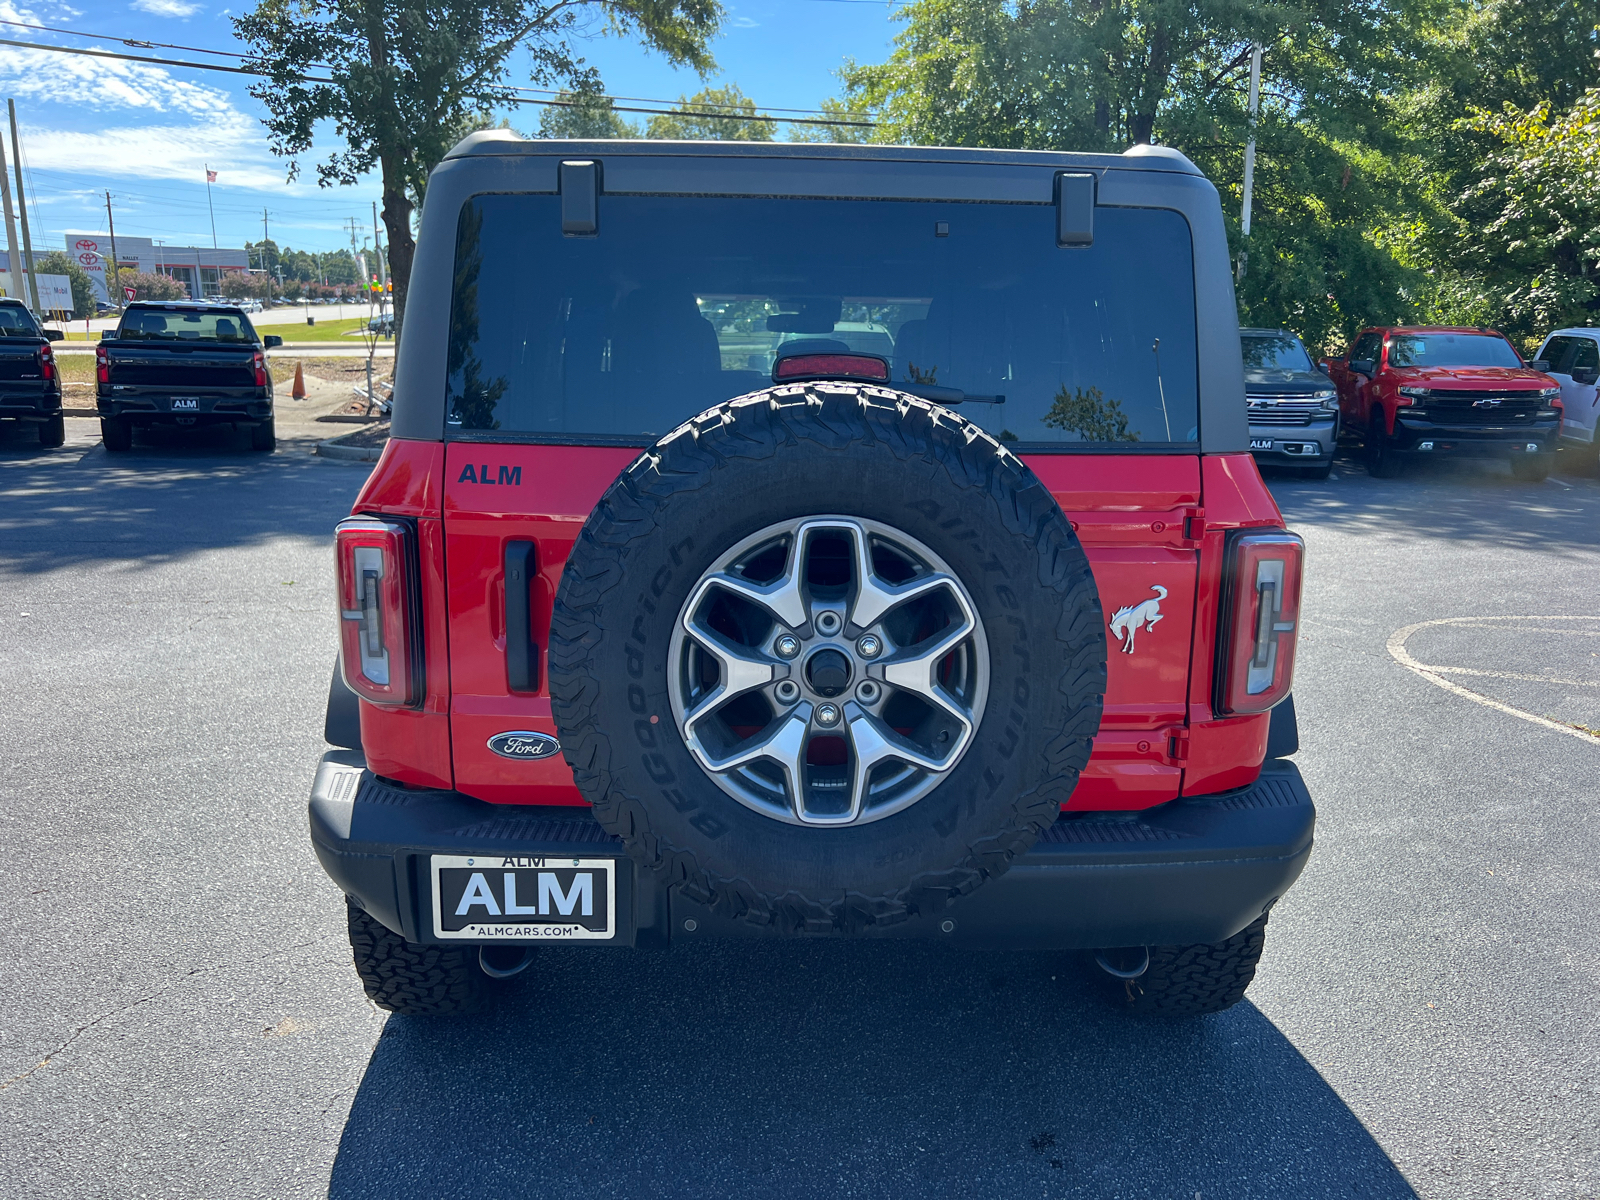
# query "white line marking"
(1397, 649)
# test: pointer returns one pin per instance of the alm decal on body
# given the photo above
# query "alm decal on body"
(523, 898)
(506, 476)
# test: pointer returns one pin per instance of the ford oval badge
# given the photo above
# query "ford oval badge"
(523, 744)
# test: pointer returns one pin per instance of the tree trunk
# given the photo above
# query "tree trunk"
(1142, 121)
(402, 246)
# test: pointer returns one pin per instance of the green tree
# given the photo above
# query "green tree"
(238, 285)
(1087, 412)
(58, 263)
(584, 112)
(851, 132)
(1527, 254)
(405, 73)
(714, 114)
(1098, 76)
(263, 256)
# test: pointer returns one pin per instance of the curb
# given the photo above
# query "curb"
(332, 449)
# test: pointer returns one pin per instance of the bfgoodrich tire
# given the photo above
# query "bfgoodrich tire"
(407, 978)
(862, 459)
(1193, 980)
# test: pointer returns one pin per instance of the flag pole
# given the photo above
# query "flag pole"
(209, 208)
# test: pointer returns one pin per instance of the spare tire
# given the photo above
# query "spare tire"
(826, 657)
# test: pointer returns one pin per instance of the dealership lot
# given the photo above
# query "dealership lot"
(183, 1019)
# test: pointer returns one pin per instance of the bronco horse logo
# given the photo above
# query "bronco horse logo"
(1125, 622)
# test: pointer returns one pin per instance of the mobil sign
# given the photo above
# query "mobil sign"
(88, 254)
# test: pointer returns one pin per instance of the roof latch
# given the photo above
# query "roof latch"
(580, 198)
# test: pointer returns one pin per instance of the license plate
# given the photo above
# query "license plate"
(186, 402)
(1261, 443)
(482, 897)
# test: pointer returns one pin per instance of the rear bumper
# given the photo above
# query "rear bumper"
(1196, 870)
(40, 406)
(148, 409)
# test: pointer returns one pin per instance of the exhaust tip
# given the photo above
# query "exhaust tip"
(502, 962)
(1141, 963)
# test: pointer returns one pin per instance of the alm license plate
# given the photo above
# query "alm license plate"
(1261, 443)
(483, 897)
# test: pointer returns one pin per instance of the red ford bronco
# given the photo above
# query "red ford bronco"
(814, 541)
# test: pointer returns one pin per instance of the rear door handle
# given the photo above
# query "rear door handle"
(522, 655)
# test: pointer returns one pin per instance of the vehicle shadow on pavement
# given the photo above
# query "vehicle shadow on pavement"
(831, 1070)
(169, 497)
(1466, 500)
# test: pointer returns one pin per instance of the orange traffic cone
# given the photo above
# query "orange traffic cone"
(299, 392)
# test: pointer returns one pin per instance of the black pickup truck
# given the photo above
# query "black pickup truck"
(184, 364)
(30, 384)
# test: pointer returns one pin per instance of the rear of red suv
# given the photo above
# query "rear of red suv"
(782, 541)
(1436, 391)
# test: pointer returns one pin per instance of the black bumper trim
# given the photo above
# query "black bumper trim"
(1196, 870)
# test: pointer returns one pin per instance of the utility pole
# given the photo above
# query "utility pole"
(117, 297)
(1250, 155)
(16, 288)
(355, 255)
(22, 210)
(265, 237)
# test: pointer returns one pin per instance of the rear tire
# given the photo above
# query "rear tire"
(53, 433)
(1185, 981)
(1531, 468)
(264, 436)
(415, 980)
(117, 434)
(1382, 462)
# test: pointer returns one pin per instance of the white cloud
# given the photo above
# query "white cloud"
(167, 8)
(745, 23)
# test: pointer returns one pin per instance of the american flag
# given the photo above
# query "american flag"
(211, 176)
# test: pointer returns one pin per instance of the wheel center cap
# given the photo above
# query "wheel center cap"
(828, 672)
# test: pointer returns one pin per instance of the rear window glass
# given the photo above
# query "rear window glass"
(680, 303)
(1275, 352)
(1451, 350)
(17, 322)
(175, 326)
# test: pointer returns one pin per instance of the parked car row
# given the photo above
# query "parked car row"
(1420, 391)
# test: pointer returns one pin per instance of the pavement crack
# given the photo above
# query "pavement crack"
(155, 995)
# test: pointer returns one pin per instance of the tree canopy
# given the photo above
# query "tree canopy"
(398, 78)
(714, 114)
(1392, 181)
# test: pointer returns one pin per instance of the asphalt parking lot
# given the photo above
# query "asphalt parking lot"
(181, 1019)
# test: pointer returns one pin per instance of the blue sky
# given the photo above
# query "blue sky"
(145, 133)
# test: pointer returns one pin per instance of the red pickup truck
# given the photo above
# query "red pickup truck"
(795, 541)
(1414, 390)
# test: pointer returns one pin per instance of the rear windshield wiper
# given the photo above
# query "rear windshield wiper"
(945, 395)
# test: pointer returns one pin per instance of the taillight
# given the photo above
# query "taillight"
(102, 365)
(1260, 621)
(380, 642)
(47, 363)
(261, 369)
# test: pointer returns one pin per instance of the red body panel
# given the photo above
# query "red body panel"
(554, 491)
(1144, 520)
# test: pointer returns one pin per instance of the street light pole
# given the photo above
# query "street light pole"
(1250, 155)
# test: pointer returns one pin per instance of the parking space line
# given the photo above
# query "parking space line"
(1397, 649)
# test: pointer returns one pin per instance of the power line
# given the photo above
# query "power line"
(695, 110)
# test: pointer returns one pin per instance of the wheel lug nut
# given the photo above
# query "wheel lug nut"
(787, 691)
(869, 646)
(867, 690)
(828, 622)
(827, 715)
(787, 646)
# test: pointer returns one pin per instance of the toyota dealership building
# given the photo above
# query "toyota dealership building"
(198, 268)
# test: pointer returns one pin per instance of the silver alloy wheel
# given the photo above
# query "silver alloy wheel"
(827, 734)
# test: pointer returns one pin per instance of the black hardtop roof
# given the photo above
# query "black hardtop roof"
(503, 142)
